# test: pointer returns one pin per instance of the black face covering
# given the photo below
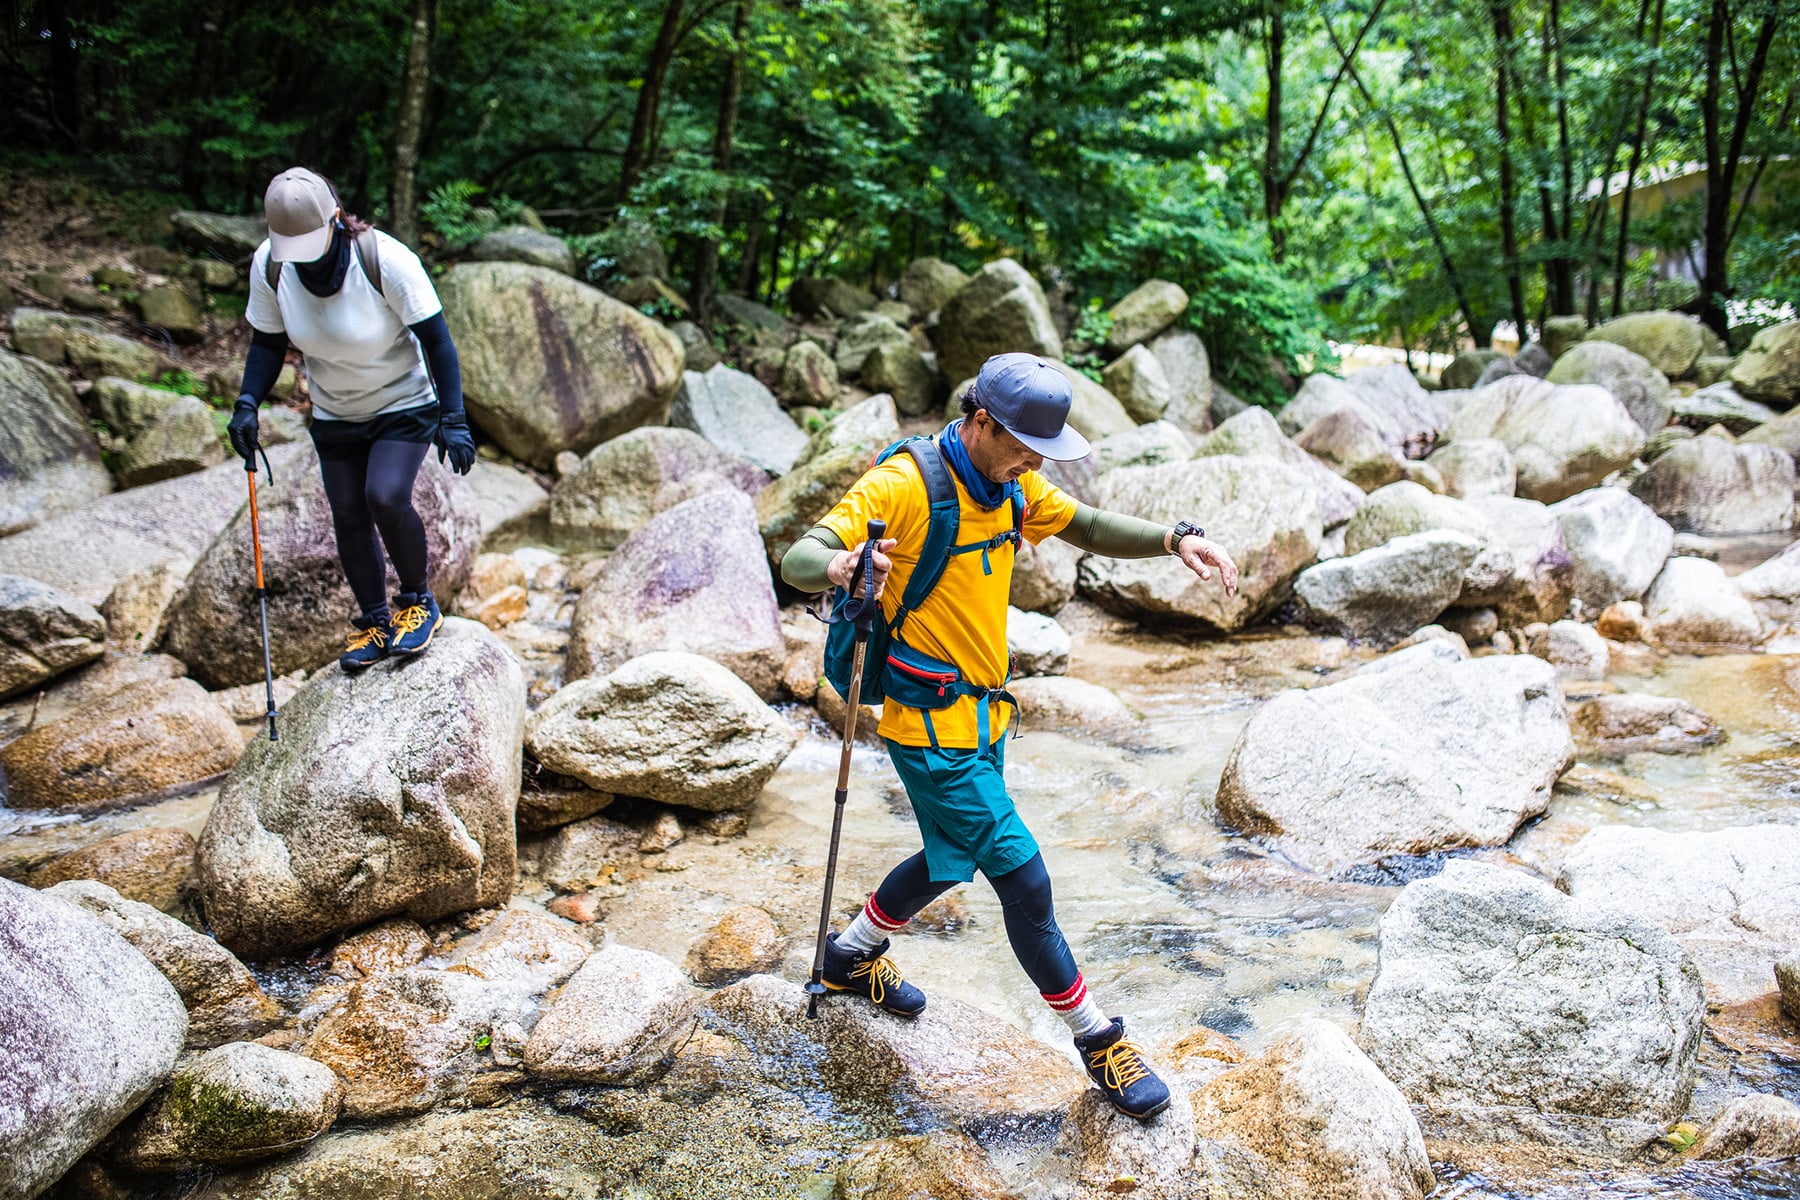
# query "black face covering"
(325, 275)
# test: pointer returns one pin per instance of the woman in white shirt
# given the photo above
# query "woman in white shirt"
(383, 376)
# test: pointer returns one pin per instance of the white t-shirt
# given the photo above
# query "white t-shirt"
(361, 359)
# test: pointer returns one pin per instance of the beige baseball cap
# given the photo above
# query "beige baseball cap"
(299, 206)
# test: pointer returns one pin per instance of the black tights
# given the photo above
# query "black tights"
(1024, 899)
(370, 489)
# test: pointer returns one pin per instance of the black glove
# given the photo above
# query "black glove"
(243, 430)
(454, 439)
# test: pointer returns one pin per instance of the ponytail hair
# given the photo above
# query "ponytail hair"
(353, 225)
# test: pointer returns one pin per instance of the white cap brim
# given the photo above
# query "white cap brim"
(1066, 446)
(305, 247)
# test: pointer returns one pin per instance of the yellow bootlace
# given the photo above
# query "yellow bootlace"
(410, 619)
(373, 635)
(1122, 1062)
(881, 973)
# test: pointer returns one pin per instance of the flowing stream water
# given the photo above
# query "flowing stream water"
(1175, 923)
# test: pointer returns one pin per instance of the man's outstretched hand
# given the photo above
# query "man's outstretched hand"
(844, 565)
(1199, 554)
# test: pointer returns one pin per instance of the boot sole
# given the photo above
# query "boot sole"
(396, 652)
(1143, 1116)
(357, 668)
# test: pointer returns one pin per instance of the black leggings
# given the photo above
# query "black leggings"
(370, 489)
(1024, 899)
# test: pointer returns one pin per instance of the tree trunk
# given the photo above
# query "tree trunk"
(403, 208)
(706, 262)
(1273, 197)
(65, 72)
(1480, 329)
(643, 120)
(1721, 167)
(752, 260)
(1562, 299)
(1637, 156)
(1509, 239)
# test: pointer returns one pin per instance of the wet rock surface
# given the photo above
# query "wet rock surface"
(615, 1022)
(91, 1027)
(389, 792)
(1435, 756)
(1600, 1013)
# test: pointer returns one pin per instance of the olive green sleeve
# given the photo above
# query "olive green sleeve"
(1114, 534)
(806, 561)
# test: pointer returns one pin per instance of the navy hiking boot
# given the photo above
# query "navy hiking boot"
(416, 618)
(1118, 1067)
(873, 975)
(371, 643)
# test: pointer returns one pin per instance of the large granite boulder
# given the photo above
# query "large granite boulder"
(1467, 368)
(667, 726)
(1405, 508)
(1621, 723)
(91, 1028)
(223, 999)
(1347, 441)
(1670, 341)
(1617, 544)
(172, 311)
(1001, 309)
(43, 633)
(1148, 445)
(859, 337)
(1476, 467)
(834, 458)
(1692, 605)
(150, 739)
(523, 244)
(812, 296)
(231, 237)
(310, 602)
(1044, 576)
(1182, 356)
(1253, 433)
(809, 377)
(1772, 586)
(550, 364)
(181, 440)
(955, 1063)
(928, 283)
(236, 1104)
(49, 461)
(1769, 370)
(693, 579)
(903, 371)
(1136, 378)
(1640, 387)
(1731, 897)
(1755, 1126)
(90, 552)
(1387, 591)
(1495, 989)
(1563, 439)
(1542, 579)
(1312, 1117)
(1712, 486)
(739, 416)
(389, 792)
(83, 343)
(1402, 413)
(1264, 513)
(625, 482)
(1720, 405)
(1149, 309)
(1432, 757)
(622, 1012)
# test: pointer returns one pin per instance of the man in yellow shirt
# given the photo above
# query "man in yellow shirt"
(946, 712)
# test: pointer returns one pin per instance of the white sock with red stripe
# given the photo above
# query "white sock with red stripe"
(1078, 1009)
(869, 930)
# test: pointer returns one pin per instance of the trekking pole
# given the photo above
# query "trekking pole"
(862, 610)
(262, 596)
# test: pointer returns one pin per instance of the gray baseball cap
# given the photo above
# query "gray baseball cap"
(1030, 397)
(300, 207)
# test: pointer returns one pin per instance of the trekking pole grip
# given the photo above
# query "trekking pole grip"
(864, 578)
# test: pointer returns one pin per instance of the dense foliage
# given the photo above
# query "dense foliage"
(1350, 168)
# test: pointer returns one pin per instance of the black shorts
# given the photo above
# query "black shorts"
(339, 438)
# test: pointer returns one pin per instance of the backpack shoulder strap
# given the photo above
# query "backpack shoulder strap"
(940, 534)
(272, 271)
(369, 250)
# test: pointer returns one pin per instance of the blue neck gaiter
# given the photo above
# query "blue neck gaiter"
(983, 490)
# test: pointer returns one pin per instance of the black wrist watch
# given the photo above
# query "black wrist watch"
(1183, 529)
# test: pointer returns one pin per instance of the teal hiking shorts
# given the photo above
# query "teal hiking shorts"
(965, 817)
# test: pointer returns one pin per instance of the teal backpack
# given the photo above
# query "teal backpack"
(891, 667)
